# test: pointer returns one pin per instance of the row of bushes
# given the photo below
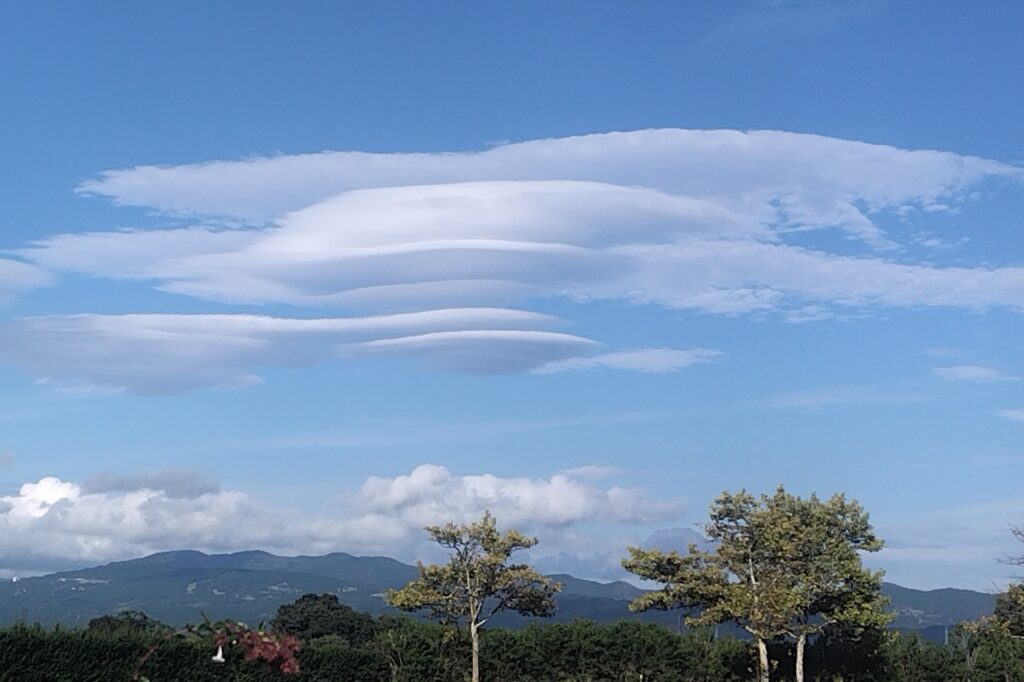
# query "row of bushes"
(405, 650)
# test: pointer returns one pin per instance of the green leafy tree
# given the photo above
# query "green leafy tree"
(1009, 609)
(318, 615)
(128, 622)
(478, 581)
(782, 566)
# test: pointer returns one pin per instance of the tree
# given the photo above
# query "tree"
(128, 621)
(317, 615)
(1010, 609)
(478, 581)
(782, 566)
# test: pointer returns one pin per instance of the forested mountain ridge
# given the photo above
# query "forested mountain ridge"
(178, 587)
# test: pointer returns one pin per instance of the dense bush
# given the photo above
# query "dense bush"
(406, 650)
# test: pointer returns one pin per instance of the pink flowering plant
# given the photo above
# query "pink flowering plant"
(275, 651)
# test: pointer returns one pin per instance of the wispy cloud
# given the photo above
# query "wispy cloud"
(975, 373)
(782, 19)
(1016, 415)
(591, 471)
(963, 537)
(835, 396)
(650, 360)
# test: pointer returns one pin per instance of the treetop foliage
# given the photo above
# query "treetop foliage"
(781, 566)
(478, 581)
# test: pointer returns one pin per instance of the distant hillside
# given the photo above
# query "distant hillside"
(921, 609)
(178, 587)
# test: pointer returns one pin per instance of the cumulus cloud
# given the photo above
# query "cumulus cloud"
(975, 373)
(55, 522)
(432, 492)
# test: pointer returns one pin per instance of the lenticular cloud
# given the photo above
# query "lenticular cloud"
(719, 222)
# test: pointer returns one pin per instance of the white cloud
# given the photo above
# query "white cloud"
(1012, 415)
(799, 179)
(52, 521)
(169, 353)
(651, 360)
(697, 220)
(740, 276)
(431, 494)
(976, 373)
(16, 277)
(687, 219)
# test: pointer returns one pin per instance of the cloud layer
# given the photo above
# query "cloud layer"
(51, 522)
(794, 178)
(712, 221)
(16, 277)
(169, 353)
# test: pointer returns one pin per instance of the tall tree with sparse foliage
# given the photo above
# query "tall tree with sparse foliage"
(478, 581)
(782, 566)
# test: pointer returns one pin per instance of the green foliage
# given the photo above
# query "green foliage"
(1010, 609)
(406, 650)
(35, 654)
(128, 621)
(478, 581)
(782, 566)
(312, 615)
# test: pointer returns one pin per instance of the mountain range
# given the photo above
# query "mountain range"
(178, 587)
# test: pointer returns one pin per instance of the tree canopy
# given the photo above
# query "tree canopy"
(478, 581)
(318, 615)
(782, 566)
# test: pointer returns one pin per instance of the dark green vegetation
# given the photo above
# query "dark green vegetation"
(177, 587)
(400, 649)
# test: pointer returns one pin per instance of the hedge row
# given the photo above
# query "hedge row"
(404, 650)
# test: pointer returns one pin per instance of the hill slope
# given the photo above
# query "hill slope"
(178, 587)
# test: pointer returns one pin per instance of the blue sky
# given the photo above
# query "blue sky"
(307, 278)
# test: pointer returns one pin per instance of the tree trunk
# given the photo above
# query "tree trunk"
(474, 634)
(762, 661)
(800, 642)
